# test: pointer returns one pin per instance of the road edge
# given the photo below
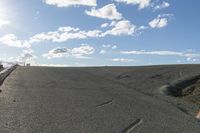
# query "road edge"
(6, 72)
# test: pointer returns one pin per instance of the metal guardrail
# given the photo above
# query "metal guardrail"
(1, 69)
(4, 73)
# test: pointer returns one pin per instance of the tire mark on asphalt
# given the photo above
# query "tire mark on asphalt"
(135, 126)
(105, 103)
(123, 76)
(183, 110)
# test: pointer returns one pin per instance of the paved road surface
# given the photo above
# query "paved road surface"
(94, 100)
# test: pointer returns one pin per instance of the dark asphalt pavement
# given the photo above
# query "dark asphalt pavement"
(95, 100)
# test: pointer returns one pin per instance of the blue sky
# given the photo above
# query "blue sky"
(100, 32)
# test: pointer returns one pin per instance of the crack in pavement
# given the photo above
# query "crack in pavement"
(105, 103)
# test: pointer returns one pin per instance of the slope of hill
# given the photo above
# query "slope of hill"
(96, 99)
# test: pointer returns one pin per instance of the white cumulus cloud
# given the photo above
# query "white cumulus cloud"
(63, 34)
(79, 52)
(140, 3)
(107, 12)
(25, 57)
(82, 50)
(104, 25)
(102, 51)
(13, 41)
(191, 59)
(66, 3)
(163, 5)
(160, 22)
(123, 27)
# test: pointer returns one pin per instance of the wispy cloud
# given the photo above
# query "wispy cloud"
(102, 51)
(109, 46)
(190, 56)
(67, 3)
(53, 65)
(122, 60)
(143, 52)
(4, 22)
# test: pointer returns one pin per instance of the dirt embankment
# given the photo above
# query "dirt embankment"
(192, 93)
(186, 89)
